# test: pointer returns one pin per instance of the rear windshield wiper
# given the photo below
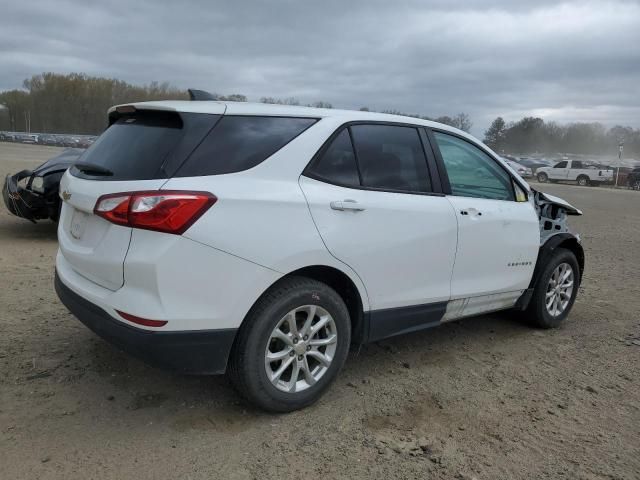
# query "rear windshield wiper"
(92, 169)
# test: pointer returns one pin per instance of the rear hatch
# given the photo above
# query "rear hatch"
(139, 151)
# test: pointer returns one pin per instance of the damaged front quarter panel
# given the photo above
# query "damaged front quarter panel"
(552, 214)
(33, 195)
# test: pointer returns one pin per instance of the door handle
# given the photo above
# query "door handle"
(471, 211)
(347, 205)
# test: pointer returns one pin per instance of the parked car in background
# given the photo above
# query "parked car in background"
(69, 141)
(33, 194)
(633, 179)
(524, 172)
(26, 138)
(263, 240)
(86, 142)
(533, 164)
(583, 173)
(47, 140)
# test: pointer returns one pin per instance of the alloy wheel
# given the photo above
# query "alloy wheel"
(300, 348)
(559, 289)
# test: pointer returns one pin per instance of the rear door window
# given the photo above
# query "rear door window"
(241, 142)
(391, 157)
(338, 163)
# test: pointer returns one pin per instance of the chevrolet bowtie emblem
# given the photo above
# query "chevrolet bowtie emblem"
(66, 195)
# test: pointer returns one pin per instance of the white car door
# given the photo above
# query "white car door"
(560, 171)
(498, 236)
(375, 211)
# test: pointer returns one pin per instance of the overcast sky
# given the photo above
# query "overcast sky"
(564, 61)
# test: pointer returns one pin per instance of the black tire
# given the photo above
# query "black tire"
(542, 177)
(537, 310)
(247, 361)
(583, 181)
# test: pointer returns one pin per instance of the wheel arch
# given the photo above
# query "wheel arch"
(567, 241)
(344, 286)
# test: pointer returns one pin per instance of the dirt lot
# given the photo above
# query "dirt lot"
(486, 397)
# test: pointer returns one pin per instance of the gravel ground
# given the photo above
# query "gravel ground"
(486, 398)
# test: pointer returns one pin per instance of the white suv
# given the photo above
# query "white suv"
(263, 240)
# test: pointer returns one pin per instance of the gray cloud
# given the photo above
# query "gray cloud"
(570, 61)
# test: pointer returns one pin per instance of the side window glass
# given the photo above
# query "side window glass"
(472, 173)
(577, 164)
(391, 158)
(338, 163)
(238, 143)
(561, 165)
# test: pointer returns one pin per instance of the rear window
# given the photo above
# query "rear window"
(136, 146)
(241, 142)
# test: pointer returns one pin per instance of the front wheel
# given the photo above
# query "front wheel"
(543, 177)
(583, 181)
(556, 290)
(291, 346)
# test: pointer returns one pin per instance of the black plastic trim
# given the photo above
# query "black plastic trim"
(523, 302)
(547, 250)
(199, 352)
(441, 170)
(397, 321)
(353, 148)
(432, 164)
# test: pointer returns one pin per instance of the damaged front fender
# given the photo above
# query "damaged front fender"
(33, 194)
(552, 214)
(554, 233)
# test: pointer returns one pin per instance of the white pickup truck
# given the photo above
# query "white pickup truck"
(578, 171)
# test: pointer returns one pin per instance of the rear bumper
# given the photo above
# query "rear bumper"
(198, 352)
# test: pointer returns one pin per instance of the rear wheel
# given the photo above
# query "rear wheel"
(555, 290)
(543, 177)
(583, 180)
(291, 346)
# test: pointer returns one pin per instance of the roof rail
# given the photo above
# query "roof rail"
(200, 95)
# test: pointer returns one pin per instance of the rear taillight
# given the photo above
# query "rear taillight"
(169, 211)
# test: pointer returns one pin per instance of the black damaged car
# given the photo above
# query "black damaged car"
(33, 194)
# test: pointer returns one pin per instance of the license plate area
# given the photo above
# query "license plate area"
(78, 224)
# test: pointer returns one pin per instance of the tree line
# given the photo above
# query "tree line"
(534, 135)
(77, 103)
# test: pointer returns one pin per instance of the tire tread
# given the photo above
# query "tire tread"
(239, 375)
